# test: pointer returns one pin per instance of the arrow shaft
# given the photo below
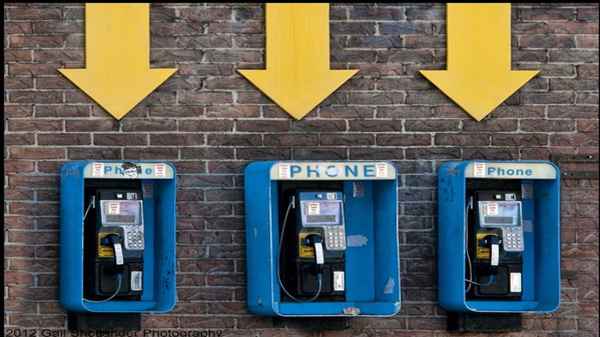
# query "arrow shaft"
(117, 34)
(297, 34)
(479, 34)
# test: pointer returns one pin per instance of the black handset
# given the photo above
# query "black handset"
(117, 249)
(496, 243)
(319, 244)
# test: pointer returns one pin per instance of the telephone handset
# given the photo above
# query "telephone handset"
(496, 243)
(319, 247)
(116, 255)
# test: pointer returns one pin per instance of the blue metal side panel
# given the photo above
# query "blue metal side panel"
(387, 273)
(259, 239)
(548, 248)
(71, 236)
(165, 196)
(451, 237)
(360, 260)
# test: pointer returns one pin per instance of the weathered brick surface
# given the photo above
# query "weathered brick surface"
(211, 122)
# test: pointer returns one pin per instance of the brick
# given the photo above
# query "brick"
(30, 96)
(346, 139)
(433, 153)
(20, 125)
(511, 139)
(376, 154)
(34, 13)
(64, 139)
(90, 125)
(18, 83)
(320, 153)
(234, 140)
(403, 139)
(207, 153)
(36, 41)
(372, 125)
(262, 125)
(36, 153)
(432, 125)
(581, 139)
(291, 140)
(489, 124)
(586, 42)
(462, 139)
(490, 153)
(61, 110)
(177, 139)
(547, 14)
(264, 153)
(161, 153)
(120, 139)
(138, 125)
(538, 125)
(94, 153)
(547, 41)
(586, 98)
(574, 56)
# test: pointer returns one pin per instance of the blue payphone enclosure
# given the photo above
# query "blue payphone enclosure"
(158, 181)
(541, 218)
(372, 259)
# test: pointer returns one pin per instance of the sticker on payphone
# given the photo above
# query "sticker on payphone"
(104, 250)
(314, 208)
(305, 250)
(492, 208)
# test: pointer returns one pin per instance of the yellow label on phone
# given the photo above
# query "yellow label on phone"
(304, 250)
(104, 251)
(482, 253)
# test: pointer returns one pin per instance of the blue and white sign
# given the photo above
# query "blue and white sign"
(119, 170)
(510, 170)
(332, 171)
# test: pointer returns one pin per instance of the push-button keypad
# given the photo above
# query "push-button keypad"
(134, 239)
(335, 238)
(513, 239)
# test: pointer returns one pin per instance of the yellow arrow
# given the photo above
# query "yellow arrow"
(297, 75)
(479, 75)
(117, 50)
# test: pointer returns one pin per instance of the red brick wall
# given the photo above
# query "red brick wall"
(210, 122)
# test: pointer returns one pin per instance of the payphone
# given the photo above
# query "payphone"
(499, 242)
(117, 242)
(319, 242)
(114, 244)
(322, 238)
(496, 244)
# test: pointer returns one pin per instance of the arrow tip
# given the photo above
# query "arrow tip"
(297, 98)
(117, 93)
(478, 95)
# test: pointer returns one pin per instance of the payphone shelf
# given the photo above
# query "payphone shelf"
(501, 306)
(120, 306)
(350, 309)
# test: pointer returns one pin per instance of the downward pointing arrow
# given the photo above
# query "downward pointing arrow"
(117, 74)
(479, 75)
(297, 75)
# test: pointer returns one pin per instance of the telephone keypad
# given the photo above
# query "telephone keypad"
(513, 239)
(134, 239)
(335, 238)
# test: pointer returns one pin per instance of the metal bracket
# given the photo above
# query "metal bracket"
(569, 162)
